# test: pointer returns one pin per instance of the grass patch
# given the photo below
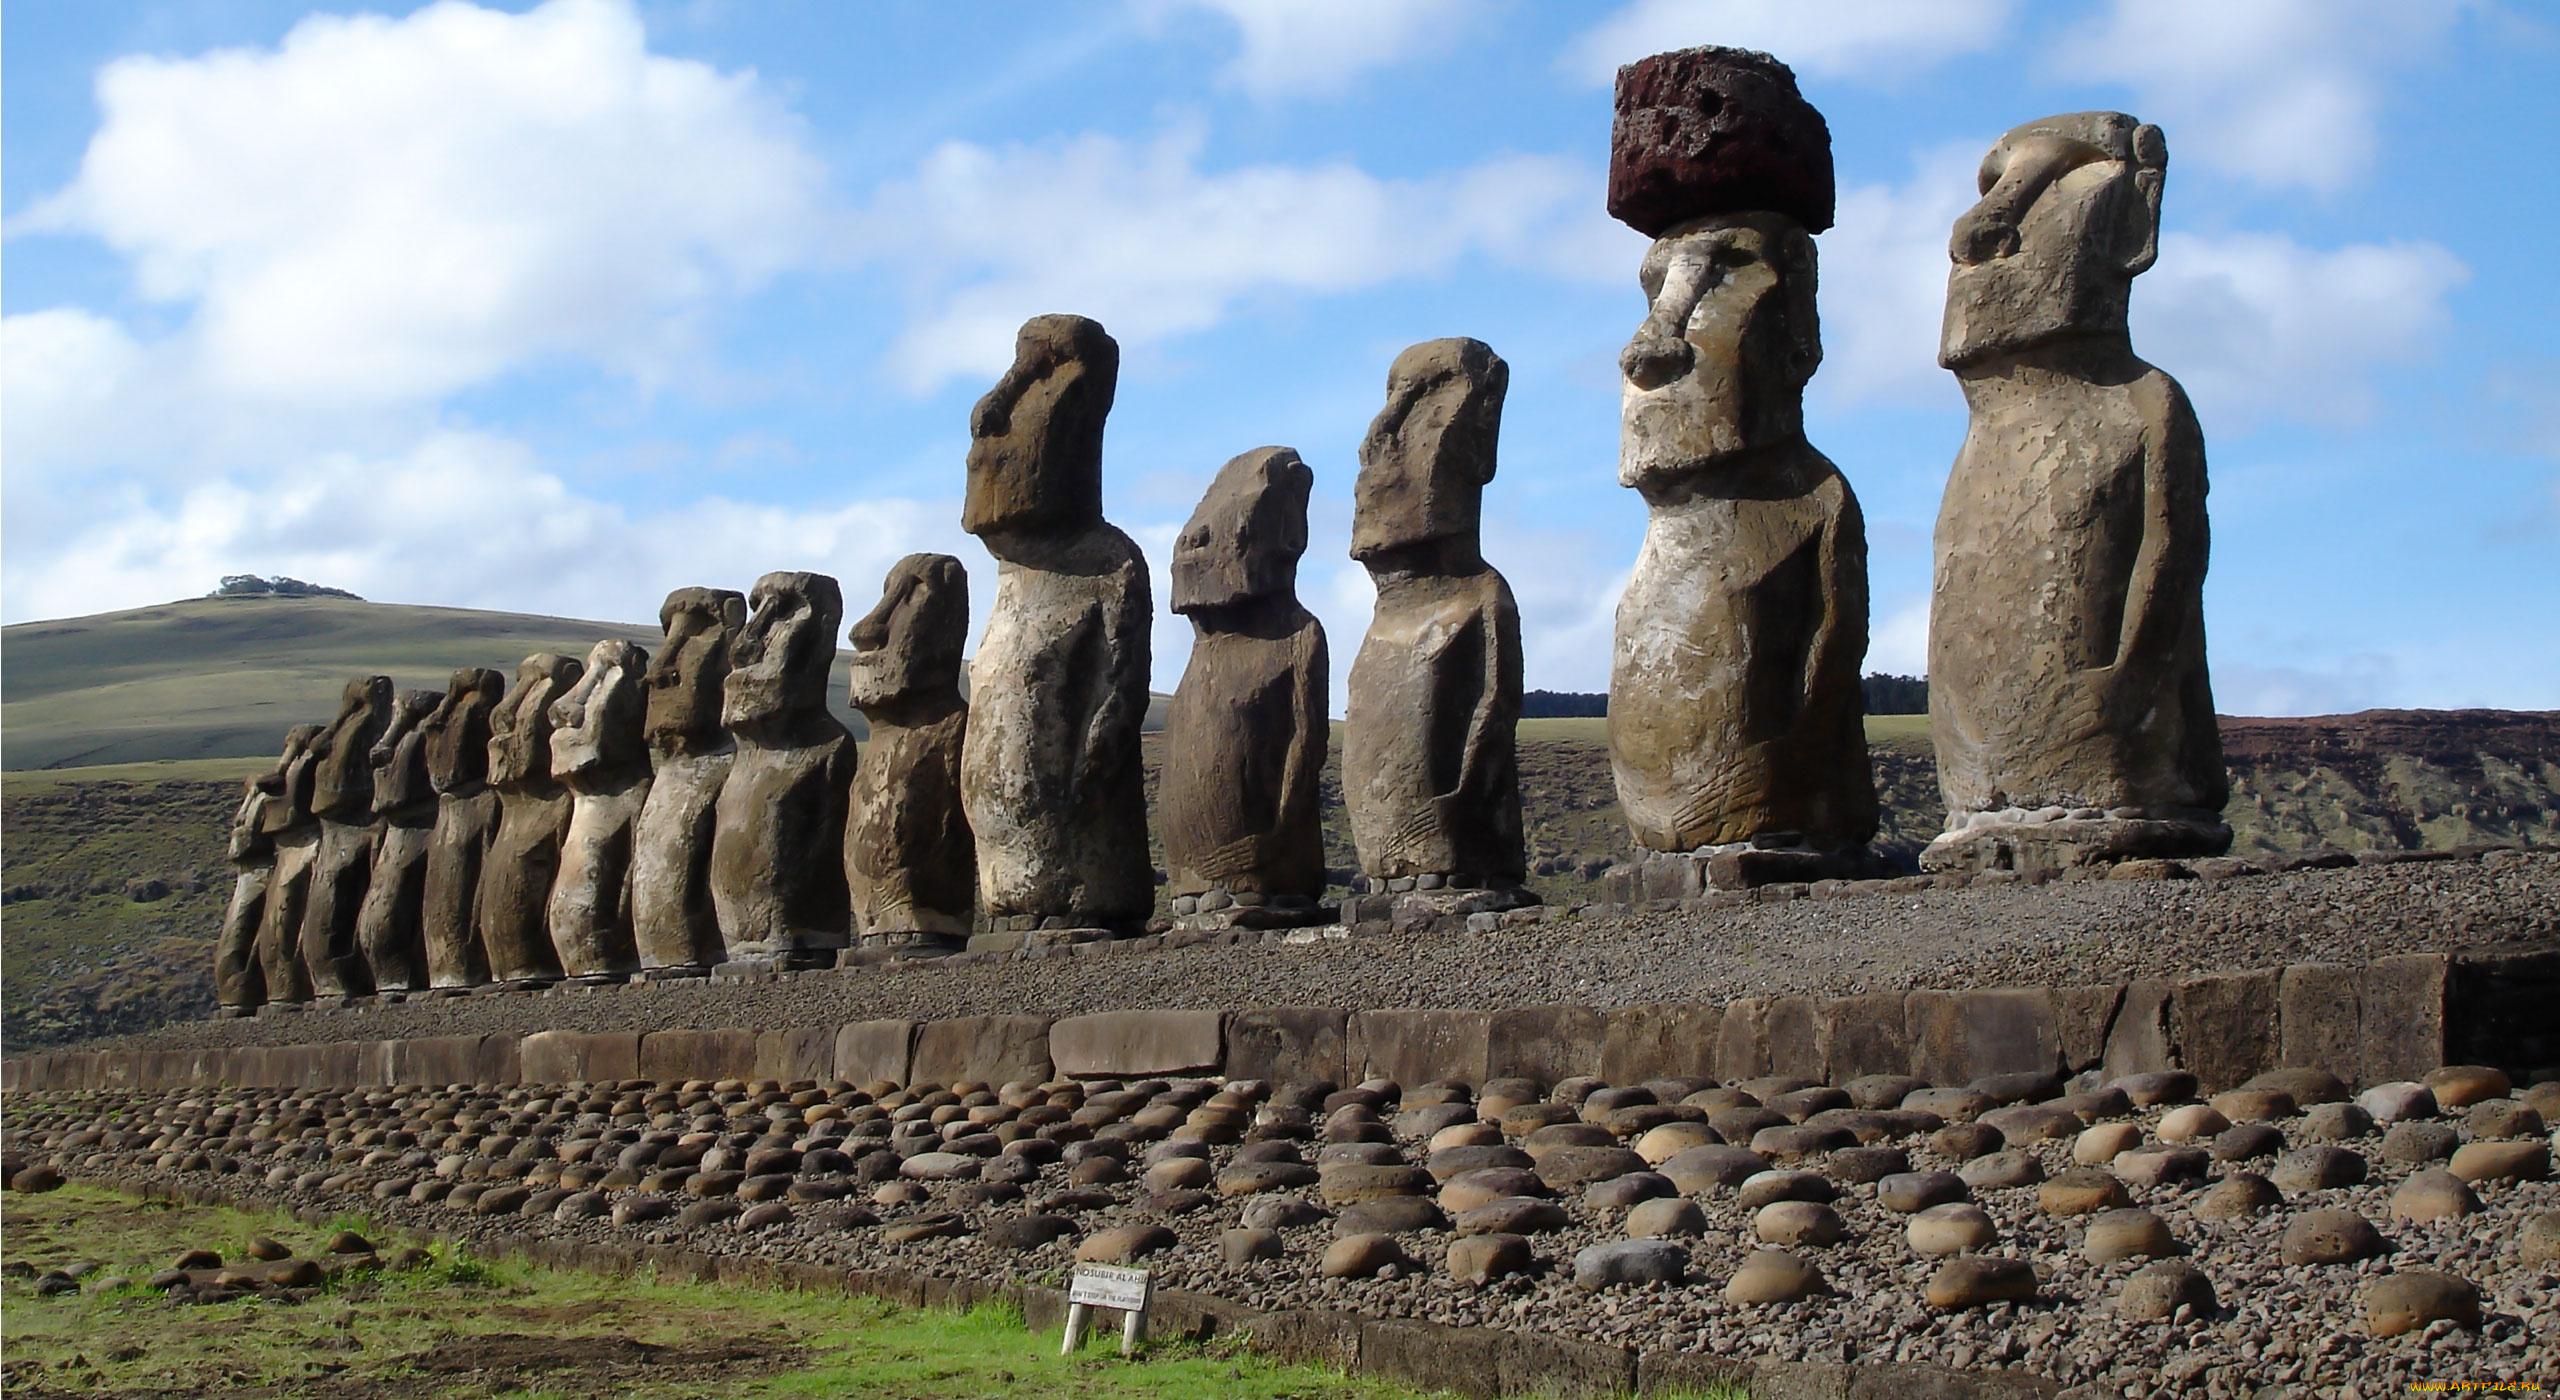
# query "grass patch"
(471, 1327)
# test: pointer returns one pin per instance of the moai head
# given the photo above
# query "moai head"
(1719, 365)
(1035, 440)
(910, 644)
(1243, 542)
(342, 785)
(520, 728)
(288, 784)
(458, 732)
(779, 667)
(702, 626)
(596, 727)
(1430, 451)
(399, 757)
(2069, 216)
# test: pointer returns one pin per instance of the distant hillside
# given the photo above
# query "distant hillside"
(225, 677)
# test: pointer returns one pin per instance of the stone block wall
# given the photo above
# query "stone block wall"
(2395, 1018)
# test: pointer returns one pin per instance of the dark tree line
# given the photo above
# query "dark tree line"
(1886, 695)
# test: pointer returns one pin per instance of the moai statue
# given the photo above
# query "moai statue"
(342, 798)
(1050, 771)
(1736, 717)
(239, 981)
(295, 835)
(1246, 734)
(457, 742)
(2068, 698)
(600, 751)
(777, 851)
(673, 918)
(391, 927)
(533, 817)
(1429, 770)
(909, 860)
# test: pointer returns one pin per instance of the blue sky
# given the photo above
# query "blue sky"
(554, 308)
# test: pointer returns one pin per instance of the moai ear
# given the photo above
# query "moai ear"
(2151, 168)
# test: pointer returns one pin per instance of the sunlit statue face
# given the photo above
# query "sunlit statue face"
(910, 643)
(1719, 365)
(2069, 215)
(779, 666)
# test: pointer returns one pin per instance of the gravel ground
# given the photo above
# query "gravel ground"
(1865, 940)
(2273, 1323)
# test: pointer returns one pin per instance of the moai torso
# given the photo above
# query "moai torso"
(599, 751)
(1246, 734)
(910, 861)
(1735, 710)
(457, 752)
(673, 918)
(533, 818)
(2067, 676)
(295, 836)
(1050, 767)
(342, 798)
(1428, 765)
(391, 927)
(777, 855)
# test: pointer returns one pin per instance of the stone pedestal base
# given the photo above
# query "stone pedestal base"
(678, 972)
(1219, 910)
(1009, 940)
(2071, 841)
(596, 979)
(880, 949)
(1406, 910)
(1690, 875)
(445, 993)
(235, 1013)
(281, 1008)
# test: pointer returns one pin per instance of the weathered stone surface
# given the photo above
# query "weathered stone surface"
(2226, 1026)
(239, 978)
(1973, 1281)
(1480, 1259)
(1958, 1227)
(2434, 1194)
(2157, 1290)
(675, 923)
(342, 865)
(533, 816)
(1430, 772)
(1136, 1044)
(1716, 131)
(2118, 1235)
(2412, 1298)
(1416, 1047)
(874, 1051)
(1280, 1044)
(1630, 1261)
(1643, 1042)
(2320, 1018)
(457, 740)
(1772, 1276)
(2403, 1003)
(2329, 1237)
(1862, 1036)
(1958, 1037)
(294, 834)
(678, 1055)
(1546, 1044)
(391, 923)
(2081, 483)
(982, 1049)
(599, 751)
(1246, 733)
(1735, 713)
(777, 847)
(910, 864)
(1049, 769)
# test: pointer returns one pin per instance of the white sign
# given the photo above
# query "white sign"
(1106, 1286)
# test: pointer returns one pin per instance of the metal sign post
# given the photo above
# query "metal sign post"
(1106, 1286)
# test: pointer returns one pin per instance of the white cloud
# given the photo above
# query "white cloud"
(389, 210)
(1307, 47)
(2283, 93)
(458, 519)
(2355, 683)
(1884, 281)
(2256, 325)
(1898, 639)
(1832, 38)
(1158, 247)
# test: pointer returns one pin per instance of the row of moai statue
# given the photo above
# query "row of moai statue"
(2069, 702)
(626, 817)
